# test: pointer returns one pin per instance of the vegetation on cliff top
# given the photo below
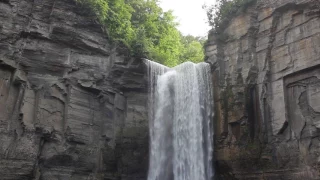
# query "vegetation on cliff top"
(220, 14)
(149, 31)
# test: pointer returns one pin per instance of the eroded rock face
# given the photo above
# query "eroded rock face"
(72, 105)
(267, 88)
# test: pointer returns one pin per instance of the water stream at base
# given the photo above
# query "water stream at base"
(180, 120)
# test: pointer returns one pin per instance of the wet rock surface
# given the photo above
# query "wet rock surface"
(72, 104)
(266, 74)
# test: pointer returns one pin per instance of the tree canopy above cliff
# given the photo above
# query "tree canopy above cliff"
(147, 30)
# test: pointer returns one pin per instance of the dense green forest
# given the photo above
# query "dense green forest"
(147, 30)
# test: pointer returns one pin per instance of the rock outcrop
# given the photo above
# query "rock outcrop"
(72, 104)
(267, 92)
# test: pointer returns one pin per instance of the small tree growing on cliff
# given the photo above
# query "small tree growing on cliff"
(222, 12)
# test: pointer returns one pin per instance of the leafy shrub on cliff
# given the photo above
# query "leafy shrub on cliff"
(145, 28)
(192, 49)
(114, 15)
(220, 14)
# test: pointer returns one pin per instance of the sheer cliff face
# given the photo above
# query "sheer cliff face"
(267, 76)
(71, 105)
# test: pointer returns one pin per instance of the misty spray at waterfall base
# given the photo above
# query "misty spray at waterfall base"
(181, 112)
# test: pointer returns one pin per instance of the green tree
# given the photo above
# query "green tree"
(192, 49)
(167, 47)
(146, 29)
(222, 12)
(118, 21)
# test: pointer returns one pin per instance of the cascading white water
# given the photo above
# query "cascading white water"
(181, 132)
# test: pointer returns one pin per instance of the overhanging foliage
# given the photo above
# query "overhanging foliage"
(144, 27)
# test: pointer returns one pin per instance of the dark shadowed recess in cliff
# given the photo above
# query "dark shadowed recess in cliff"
(253, 113)
(4, 1)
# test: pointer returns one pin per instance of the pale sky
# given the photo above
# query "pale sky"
(190, 15)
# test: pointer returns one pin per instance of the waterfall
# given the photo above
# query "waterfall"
(180, 120)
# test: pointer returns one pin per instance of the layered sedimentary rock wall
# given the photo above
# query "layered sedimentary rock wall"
(72, 105)
(267, 77)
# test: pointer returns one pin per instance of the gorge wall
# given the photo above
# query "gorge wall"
(267, 92)
(72, 105)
